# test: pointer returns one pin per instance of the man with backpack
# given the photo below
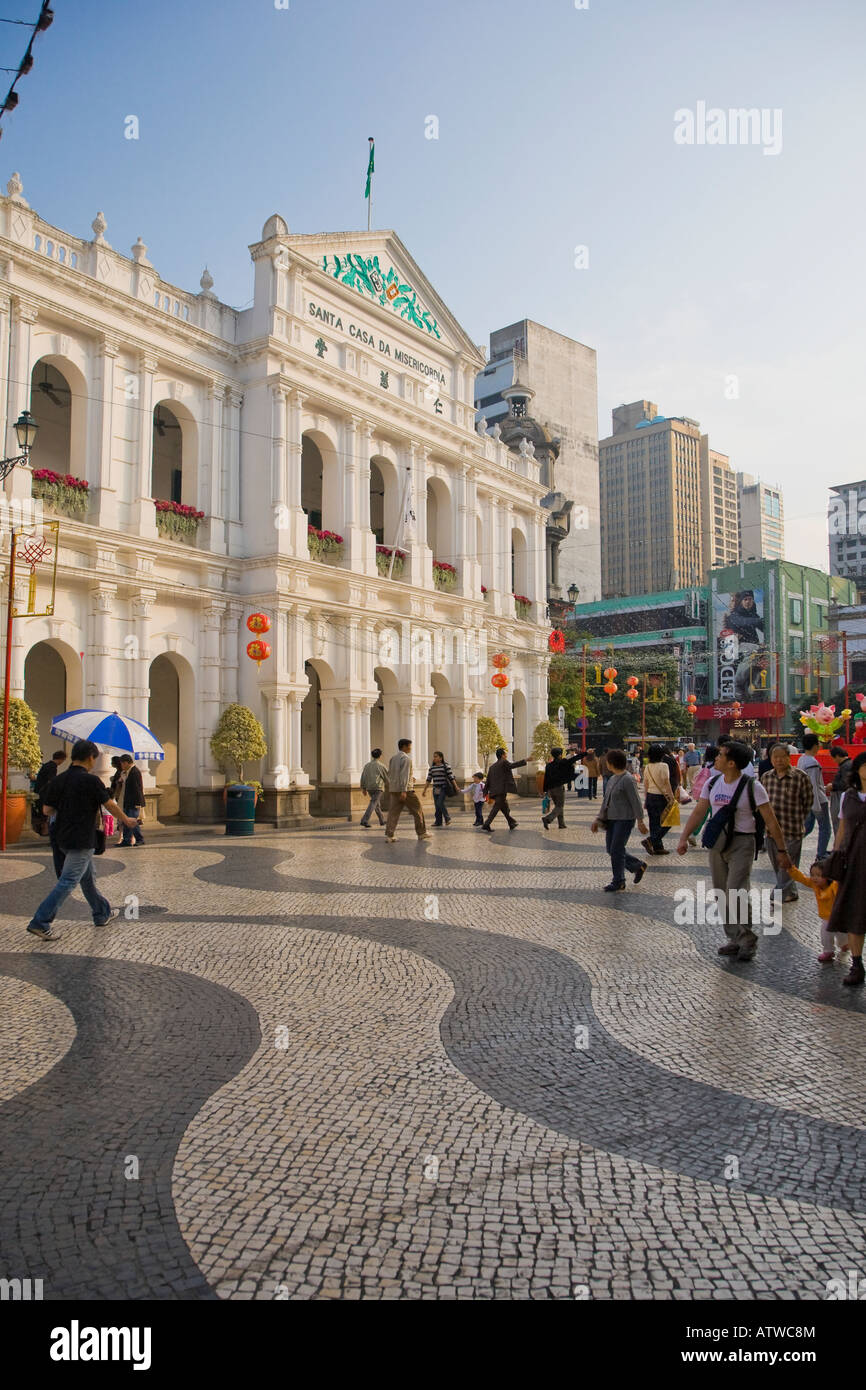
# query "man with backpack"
(733, 835)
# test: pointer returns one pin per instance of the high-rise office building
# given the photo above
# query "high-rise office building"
(650, 486)
(761, 519)
(719, 509)
(563, 377)
(846, 524)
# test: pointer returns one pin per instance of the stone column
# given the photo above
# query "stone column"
(18, 484)
(293, 521)
(354, 472)
(137, 652)
(230, 645)
(364, 439)
(297, 776)
(211, 482)
(101, 432)
(420, 556)
(277, 774)
(231, 504)
(209, 688)
(104, 601)
(140, 667)
(144, 513)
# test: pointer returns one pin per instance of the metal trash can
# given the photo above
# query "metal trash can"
(240, 809)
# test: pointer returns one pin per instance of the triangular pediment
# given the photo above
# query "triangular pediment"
(377, 268)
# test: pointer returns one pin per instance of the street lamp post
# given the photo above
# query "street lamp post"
(573, 595)
(26, 430)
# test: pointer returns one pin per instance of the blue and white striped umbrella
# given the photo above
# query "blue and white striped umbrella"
(110, 730)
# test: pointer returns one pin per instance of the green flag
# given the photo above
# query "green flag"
(370, 168)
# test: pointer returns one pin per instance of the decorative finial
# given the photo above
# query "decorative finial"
(139, 252)
(206, 281)
(481, 427)
(15, 189)
(496, 432)
(99, 225)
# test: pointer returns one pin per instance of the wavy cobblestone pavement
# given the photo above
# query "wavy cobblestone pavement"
(356, 1070)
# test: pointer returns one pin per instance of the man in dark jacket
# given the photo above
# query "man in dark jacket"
(45, 776)
(132, 793)
(558, 772)
(500, 781)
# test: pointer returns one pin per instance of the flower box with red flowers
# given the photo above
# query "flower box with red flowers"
(323, 545)
(383, 560)
(63, 492)
(522, 604)
(444, 575)
(175, 520)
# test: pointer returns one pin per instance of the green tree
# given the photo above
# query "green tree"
(239, 739)
(544, 737)
(25, 755)
(490, 737)
(565, 687)
(666, 714)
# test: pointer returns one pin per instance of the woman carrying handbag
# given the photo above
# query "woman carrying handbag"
(847, 864)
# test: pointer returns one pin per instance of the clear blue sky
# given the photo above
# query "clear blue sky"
(555, 130)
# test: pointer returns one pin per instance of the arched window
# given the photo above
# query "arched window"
(61, 414)
(167, 455)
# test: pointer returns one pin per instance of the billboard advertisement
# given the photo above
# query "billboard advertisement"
(742, 657)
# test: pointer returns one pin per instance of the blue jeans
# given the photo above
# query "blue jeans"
(134, 811)
(439, 795)
(77, 869)
(825, 830)
(616, 835)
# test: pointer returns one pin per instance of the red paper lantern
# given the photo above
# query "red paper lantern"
(610, 688)
(610, 673)
(631, 694)
(258, 651)
(500, 680)
(632, 680)
(556, 640)
(500, 660)
(736, 709)
(259, 622)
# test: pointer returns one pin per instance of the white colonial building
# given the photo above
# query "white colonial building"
(340, 402)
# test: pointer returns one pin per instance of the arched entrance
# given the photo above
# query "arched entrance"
(164, 719)
(384, 714)
(440, 731)
(171, 716)
(520, 717)
(52, 684)
(311, 730)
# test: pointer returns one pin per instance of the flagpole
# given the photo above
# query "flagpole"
(370, 142)
(404, 499)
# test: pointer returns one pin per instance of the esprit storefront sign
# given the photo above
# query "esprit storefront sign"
(368, 338)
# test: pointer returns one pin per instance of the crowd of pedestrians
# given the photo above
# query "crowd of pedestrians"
(739, 803)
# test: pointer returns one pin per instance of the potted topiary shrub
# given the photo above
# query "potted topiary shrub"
(25, 756)
(238, 739)
(546, 735)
